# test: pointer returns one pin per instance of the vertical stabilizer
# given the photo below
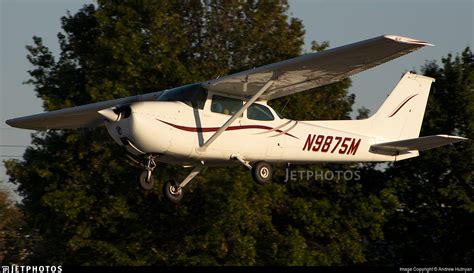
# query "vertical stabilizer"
(401, 115)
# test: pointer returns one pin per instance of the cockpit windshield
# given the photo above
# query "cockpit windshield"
(193, 95)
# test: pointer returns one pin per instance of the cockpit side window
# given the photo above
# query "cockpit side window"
(193, 95)
(225, 105)
(259, 112)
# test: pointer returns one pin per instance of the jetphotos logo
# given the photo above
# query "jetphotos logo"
(328, 175)
(31, 269)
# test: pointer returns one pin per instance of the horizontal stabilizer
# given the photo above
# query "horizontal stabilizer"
(414, 144)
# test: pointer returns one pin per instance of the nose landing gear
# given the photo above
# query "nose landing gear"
(146, 180)
(171, 190)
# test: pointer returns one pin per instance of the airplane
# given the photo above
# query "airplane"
(227, 121)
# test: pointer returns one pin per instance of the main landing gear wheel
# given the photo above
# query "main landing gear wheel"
(146, 180)
(262, 173)
(173, 192)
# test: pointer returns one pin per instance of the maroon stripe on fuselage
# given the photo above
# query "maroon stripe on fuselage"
(230, 128)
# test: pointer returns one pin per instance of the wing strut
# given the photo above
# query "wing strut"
(235, 116)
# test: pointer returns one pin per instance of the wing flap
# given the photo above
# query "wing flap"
(315, 69)
(84, 116)
(414, 144)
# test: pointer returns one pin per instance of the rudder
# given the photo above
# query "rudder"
(401, 115)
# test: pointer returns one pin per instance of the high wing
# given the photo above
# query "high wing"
(85, 116)
(315, 69)
(266, 82)
(414, 144)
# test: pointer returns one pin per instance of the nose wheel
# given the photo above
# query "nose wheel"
(145, 179)
(172, 191)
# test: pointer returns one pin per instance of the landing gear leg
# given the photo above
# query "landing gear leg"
(173, 191)
(262, 172)
(146, 180)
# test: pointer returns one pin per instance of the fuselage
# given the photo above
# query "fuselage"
(175, 131)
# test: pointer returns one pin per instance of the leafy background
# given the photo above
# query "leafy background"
(81, 206)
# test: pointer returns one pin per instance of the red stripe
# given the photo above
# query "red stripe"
(402, 104)
(230, 128)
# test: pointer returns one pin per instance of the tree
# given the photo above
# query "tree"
(434, 222)
(81, 198)
(12, 243)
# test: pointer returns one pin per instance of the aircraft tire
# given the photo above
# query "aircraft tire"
(170, 192)
(262, 172)
(144, 183)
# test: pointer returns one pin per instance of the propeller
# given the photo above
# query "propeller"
(116, 113)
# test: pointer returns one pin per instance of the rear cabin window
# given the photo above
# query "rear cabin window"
(192, 95)
(259, 112)
(225, 105)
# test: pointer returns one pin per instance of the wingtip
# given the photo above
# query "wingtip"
(19, 123)
(462, 138)
(407, 40)
(9, 122)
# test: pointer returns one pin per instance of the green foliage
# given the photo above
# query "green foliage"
(12, 240)
(80, 198)
(434, 221)
(363, 113)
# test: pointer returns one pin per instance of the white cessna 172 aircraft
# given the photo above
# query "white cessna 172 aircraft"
(227, 120)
